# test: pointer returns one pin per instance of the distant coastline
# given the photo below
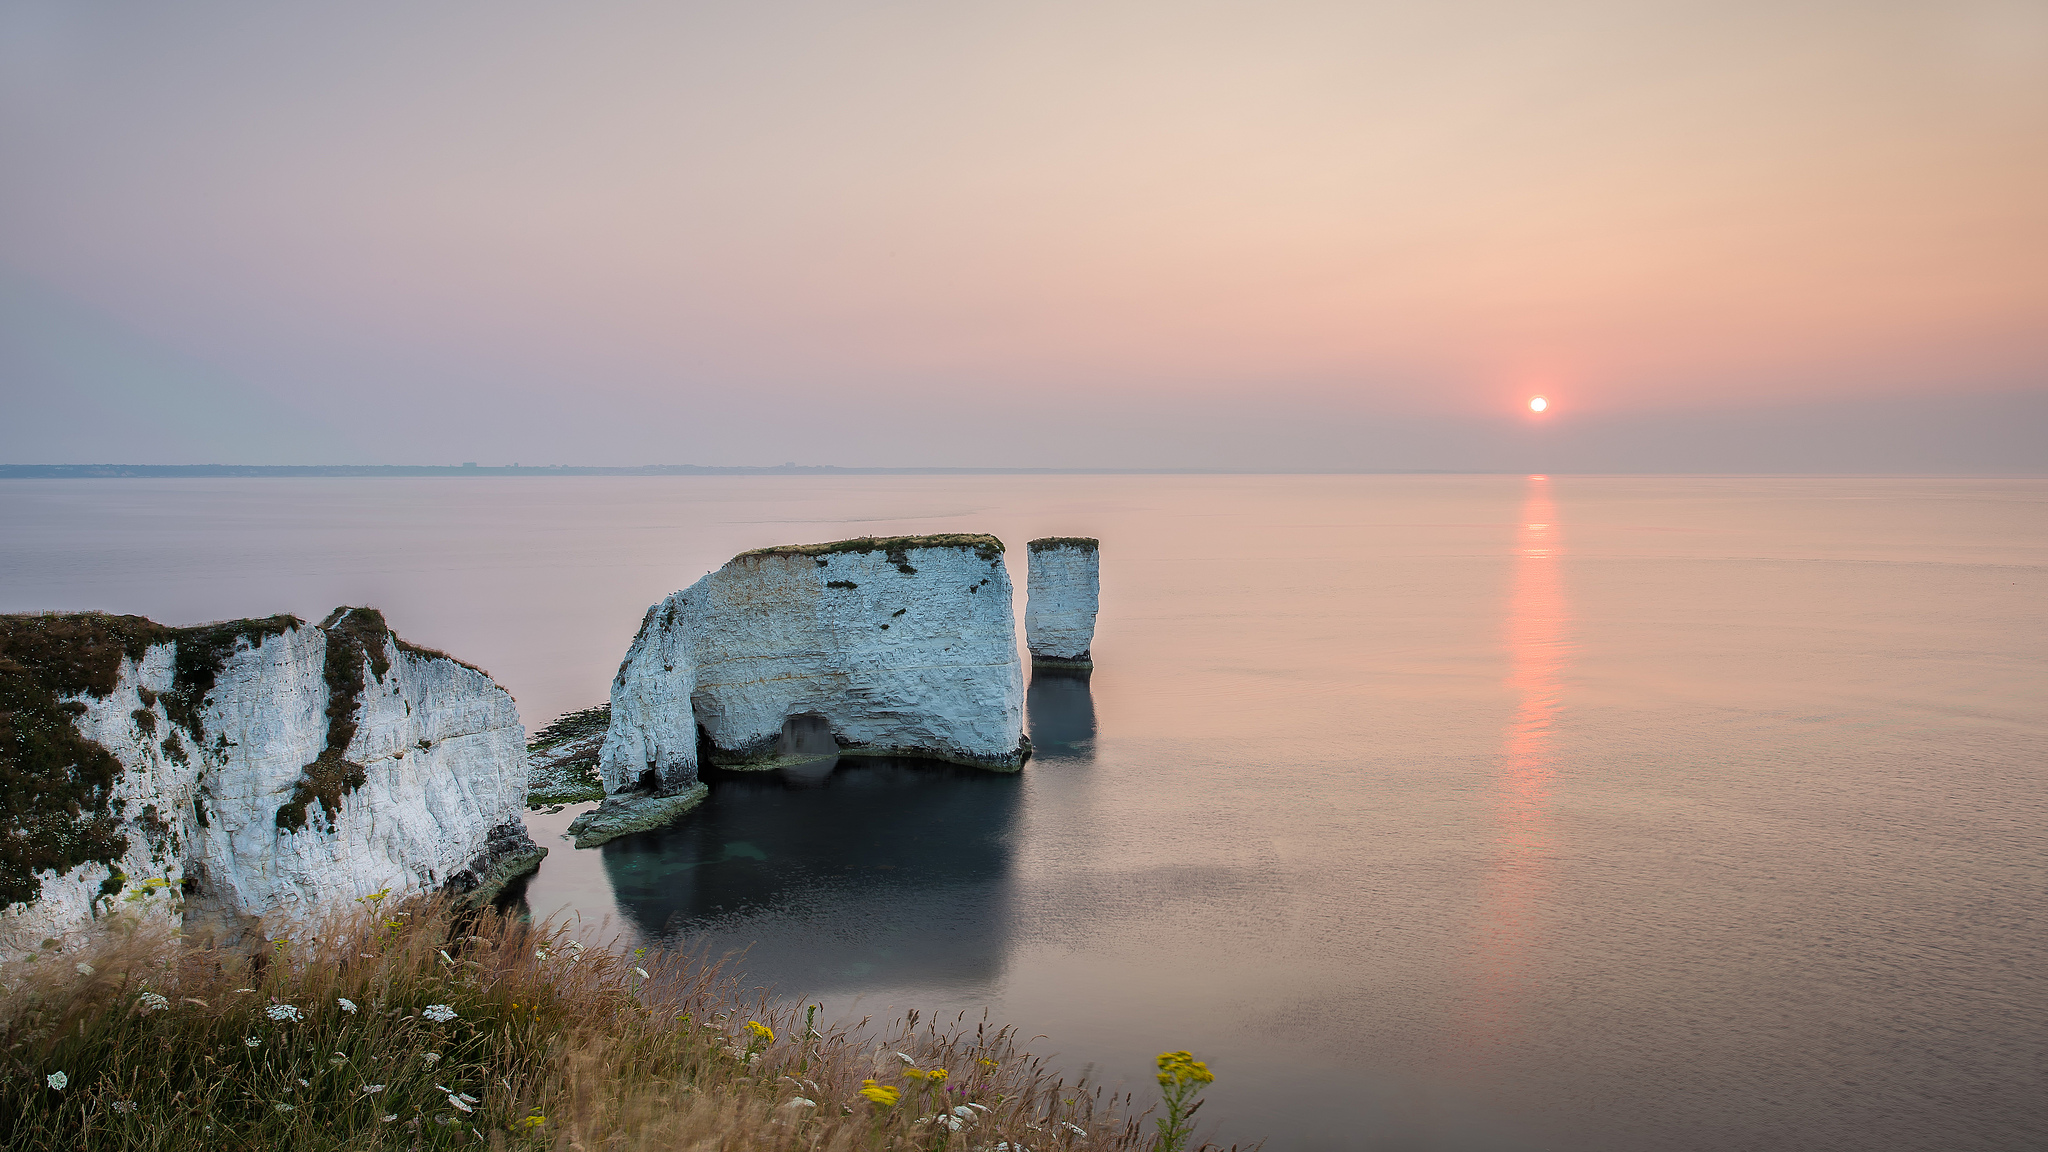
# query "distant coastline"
(202, 471)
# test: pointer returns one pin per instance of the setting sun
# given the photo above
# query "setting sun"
(1538, 404)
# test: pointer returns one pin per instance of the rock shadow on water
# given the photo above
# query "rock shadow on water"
(1060, 709)
(847, 874)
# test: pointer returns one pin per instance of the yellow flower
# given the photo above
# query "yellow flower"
(936, 1075)
(881, 1094)
(761, 1031)
(914, 1074)
(1183, 1068)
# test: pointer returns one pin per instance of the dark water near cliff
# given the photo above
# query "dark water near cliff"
(1437, 812)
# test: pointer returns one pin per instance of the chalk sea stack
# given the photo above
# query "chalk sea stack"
(226, 772)
(1059, 612)
(891, 646)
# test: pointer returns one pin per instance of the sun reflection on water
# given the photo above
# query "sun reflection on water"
(1537, 637)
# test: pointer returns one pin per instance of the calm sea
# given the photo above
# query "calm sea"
(1435, 812)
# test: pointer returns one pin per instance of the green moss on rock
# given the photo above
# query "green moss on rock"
(985, 546)
(1078, 543)
(56, 786)
(355, 637)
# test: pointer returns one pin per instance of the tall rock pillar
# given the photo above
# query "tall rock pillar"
(1059, 615)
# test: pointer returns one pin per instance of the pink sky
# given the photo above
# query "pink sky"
(744, 233)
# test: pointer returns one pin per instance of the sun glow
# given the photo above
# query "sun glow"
(1538, 404)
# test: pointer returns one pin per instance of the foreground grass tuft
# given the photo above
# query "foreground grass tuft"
(414, 1026)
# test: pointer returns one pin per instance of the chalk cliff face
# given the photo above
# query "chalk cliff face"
(896, 646)
(221, 773)
(1059, 612)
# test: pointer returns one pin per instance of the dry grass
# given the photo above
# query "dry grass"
(551, 1046)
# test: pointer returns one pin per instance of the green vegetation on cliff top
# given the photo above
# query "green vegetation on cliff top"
(56, 787)
(984, 545)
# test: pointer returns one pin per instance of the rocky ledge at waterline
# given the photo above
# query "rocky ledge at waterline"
(893, 646)
(258, 767)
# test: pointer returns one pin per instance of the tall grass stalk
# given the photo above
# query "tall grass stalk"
(340, 1037)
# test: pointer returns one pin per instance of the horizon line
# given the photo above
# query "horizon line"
(312, 471)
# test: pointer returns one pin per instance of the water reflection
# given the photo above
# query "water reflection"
(1538, 648)
(867, 872)
(1061, 713)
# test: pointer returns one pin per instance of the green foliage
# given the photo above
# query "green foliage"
(985, 546)
(355, 636)
(572, 726)
(55, 785)
(564, 758)
(417, 1027)
(1181, 1080)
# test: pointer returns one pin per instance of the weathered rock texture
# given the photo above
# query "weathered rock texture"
(226, 772)
(1059, 611)
(894, 646)
(562, 758)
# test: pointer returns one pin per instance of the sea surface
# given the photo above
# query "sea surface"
(1488, 812)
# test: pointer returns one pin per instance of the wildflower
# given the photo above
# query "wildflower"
(881, 1094)
(964, 1112)
(153, 1002)
(759, 1030)
(338, 1059)
(245, 989)
(124, 1106)
(252, 1042)
(431, 1058)
(1076, 1129)
(283, 1107)
(445, 959)
(57, 1080)
(347, 1005)
(936, 1075)
(283, 1013)
(84, 969)
(372, 1089)
(641, 973)
(988, 1063)
(305, 1083)
(438, 1013)
(949, 1121)
(1181, 1068)
(389, 1116)
(456, 1102)
(799, 1102)
(533, 1121)
(915, 1073)
(540, 953)
(906, 1059)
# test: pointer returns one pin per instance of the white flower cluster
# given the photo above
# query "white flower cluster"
(347, 1005)
(153, 1002)
(438, 1013)
(284, 1013)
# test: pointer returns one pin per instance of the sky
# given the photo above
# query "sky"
(1284, 235)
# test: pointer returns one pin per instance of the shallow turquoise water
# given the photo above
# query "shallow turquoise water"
(1437, 812)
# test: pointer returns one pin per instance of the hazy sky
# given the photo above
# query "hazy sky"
(1269, 235)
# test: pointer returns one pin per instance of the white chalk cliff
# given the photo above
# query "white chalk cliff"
(256, 768)
(1061, 596)
(896, 646)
